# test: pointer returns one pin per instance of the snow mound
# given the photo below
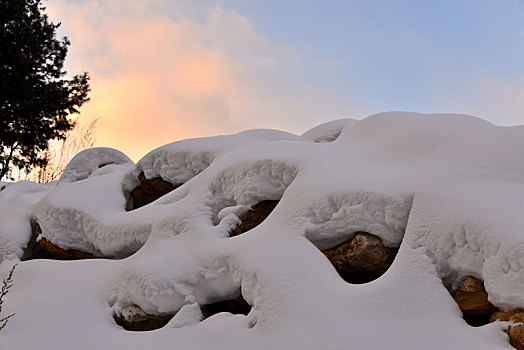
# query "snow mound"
(178, 162)
(446, 189)
(89, 161)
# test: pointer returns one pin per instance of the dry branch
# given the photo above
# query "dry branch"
(6, 284)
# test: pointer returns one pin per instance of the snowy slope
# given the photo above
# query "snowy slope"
(447, 189)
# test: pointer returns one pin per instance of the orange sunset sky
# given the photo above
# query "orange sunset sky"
(156, 79)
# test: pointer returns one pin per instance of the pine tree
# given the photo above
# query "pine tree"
(36, 101)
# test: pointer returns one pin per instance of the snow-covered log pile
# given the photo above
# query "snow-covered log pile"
(358, 234)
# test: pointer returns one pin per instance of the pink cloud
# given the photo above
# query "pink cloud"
(156, 79)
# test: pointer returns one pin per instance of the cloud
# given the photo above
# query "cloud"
(163, 72)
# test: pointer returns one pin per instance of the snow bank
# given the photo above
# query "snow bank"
(447, 189)
(90, 216)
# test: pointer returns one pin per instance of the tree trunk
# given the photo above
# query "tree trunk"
(5, 165)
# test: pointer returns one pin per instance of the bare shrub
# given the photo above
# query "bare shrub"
(6, 284)
(60, 153)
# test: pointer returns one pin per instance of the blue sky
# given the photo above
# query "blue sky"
(165, 70)
(397, 55)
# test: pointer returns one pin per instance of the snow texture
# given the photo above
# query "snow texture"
(447, 189)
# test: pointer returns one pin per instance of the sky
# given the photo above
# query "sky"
(166, 70)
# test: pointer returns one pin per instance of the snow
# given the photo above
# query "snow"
(16, 205)
(447, 189)
(180, 161)
(327, 132)
(88, 162)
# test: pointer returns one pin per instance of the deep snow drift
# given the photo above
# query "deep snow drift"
(447, 189)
